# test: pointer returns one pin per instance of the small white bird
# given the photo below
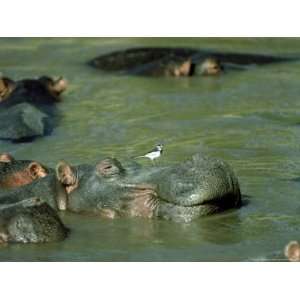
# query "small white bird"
(153, 154)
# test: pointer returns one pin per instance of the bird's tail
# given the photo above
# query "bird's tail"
(141, 156)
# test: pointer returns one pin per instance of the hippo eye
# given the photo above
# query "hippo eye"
(107, 167)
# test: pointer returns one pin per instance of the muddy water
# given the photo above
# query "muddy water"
(250, 119)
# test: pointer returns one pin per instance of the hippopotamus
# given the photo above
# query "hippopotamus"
(178, 62)
(28, 107)
(197, 187)
(22, 179)
(33, 219)
(29, 179)
(30, 221)
(14, 173)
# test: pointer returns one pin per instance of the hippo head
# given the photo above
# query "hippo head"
(15, 173)
(210, 66)
(106, 189)
(42, 86)
(6, 87)
(109, 169)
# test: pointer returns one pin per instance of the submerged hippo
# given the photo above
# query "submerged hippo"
(46, 187)
(22, 179)
(27, 107)
(197, 187)
(14, 173)
(178, 62)
(30, 221)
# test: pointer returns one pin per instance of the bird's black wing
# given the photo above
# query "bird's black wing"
(153, 150)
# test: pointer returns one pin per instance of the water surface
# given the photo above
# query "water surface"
(250, 119)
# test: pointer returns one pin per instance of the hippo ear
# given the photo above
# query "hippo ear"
(64, 173)
(6, 87)
(2, 85)
(185, 68)
(292, 251)
(59, 85)
(6, 158)
(36, 170)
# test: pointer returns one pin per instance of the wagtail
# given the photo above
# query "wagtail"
(154, 154)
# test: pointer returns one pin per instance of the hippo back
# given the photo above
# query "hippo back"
(200, 181)
(31, 221)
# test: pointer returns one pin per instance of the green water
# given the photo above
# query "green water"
(250, 119)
